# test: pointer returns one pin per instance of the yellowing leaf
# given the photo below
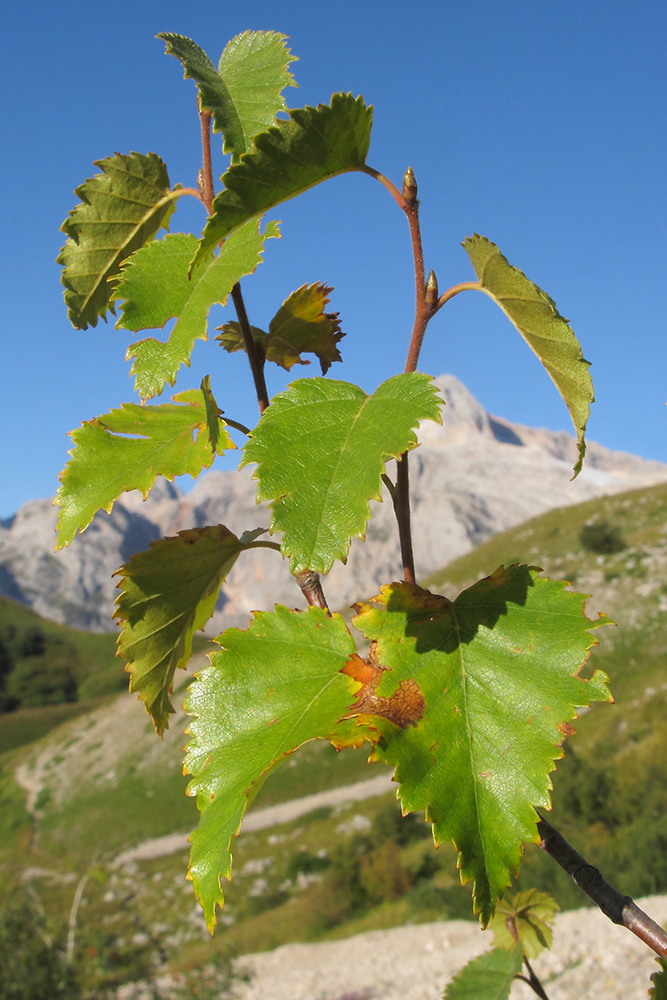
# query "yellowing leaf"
(498, 672)
(535, 316)
(155, 288)
(121, 209)
(321, 449)
(126, 449)
(244, 92)
(272, 688)
(300, 326)
(167, 593)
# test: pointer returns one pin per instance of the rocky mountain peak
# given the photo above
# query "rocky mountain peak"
(472, 476)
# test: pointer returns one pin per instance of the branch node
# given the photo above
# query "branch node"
(311, 588)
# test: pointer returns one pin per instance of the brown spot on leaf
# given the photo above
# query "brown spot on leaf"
(566, 729)
(405, 706)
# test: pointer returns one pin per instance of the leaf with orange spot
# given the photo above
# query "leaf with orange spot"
(498, 671)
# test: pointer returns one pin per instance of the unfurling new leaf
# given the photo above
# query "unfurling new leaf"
(244, 93)
(537, 319)
(488, 977)
(330, 435)
(155, 288)
(301, 326)
(271, 689)
(293, 156)
(121, 209)
(126, 449)
(167, 593)
(498, 672)
(530, 915)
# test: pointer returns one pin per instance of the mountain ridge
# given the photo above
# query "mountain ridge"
(471, 478)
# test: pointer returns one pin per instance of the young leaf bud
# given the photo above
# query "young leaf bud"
(409, 191)
(431, 292)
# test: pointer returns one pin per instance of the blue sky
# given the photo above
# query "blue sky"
(541, 126)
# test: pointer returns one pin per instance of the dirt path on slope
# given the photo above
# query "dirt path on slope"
(262, 819)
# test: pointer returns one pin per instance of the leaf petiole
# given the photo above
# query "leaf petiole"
(237, 426)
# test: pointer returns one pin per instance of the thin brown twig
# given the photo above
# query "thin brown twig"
(256, 363)
(208, 187)
(619, 908)
(533, 981)
(423, 311)
(402, 509)
(311, 588)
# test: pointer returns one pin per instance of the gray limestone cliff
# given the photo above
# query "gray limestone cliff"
(472, 477)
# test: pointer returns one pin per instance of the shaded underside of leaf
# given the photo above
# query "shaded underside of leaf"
(498, 670)
(155, 288)
(488, 977)
(167, 593)
(244, 93)
(126, 449)
(291, 157)
(121, 209)
(537, 319)
(272, 688)
(301, 326)
(332, 434)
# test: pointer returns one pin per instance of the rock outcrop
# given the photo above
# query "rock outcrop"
(472, 477)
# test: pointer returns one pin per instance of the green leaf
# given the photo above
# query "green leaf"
(537, 319)
(531, 913)
(232, 340)
(121, 209)
(658, 990)
(167, 593)
(244, 93)
(156, 288)
(333, 435)
(488, 977)
(498, 672)
(127, 448)
(271, 689)
(300, 326)
(291, 157)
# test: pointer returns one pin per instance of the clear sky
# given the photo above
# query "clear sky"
(540, 125)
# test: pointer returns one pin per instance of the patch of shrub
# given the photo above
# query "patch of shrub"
(33, 966)
(402, 830)
(303, 862)
(602, 538)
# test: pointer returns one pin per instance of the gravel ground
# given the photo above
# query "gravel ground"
(592, 959)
